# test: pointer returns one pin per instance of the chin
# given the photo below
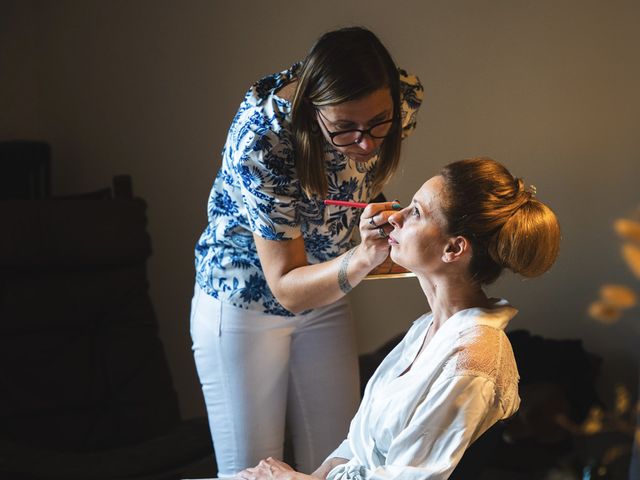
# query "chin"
(396, 260)
(360, 158)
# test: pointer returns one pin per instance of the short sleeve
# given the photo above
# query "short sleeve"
(263, 162)
(411, 94)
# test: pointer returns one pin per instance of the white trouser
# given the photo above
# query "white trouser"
(255, 369)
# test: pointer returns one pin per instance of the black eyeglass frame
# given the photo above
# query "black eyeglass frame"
(362, 132)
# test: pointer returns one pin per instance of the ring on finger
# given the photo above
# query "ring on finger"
(372, 222)
(382, 233)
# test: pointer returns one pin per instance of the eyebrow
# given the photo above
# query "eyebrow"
(372, 121)
(379, 117)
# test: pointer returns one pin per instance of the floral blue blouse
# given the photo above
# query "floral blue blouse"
(257, 192)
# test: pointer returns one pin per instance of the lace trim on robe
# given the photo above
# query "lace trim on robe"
(485, 351)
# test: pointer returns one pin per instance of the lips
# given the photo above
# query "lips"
(392, 241)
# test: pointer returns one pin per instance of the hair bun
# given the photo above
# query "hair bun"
(529, 241)
(508, 226)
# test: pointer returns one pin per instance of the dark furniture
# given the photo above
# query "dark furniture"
(85, 390)
(25, 170)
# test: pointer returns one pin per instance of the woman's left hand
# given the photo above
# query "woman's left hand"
(269, 469)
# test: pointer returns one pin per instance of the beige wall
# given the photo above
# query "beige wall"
(149, 88)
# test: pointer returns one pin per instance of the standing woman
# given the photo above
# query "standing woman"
(273, 336)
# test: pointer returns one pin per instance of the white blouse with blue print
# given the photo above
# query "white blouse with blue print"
(258, 192)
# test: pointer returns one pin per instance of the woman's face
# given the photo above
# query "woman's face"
(418, 239)
(360, 114)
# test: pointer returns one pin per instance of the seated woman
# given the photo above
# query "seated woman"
(454, 374)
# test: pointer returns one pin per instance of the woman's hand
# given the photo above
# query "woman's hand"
(272, 469)
(374, 231)
(300, 286)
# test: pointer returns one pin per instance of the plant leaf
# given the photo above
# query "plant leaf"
(604, 312)
(619, 296)
(627, 229)
(631, 253)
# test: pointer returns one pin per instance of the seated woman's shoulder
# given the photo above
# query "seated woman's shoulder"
(486, 351)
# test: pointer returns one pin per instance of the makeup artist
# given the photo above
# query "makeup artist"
(272, 331)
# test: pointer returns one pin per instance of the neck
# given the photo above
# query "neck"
(448, 295)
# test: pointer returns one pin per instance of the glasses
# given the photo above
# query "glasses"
(344, 138)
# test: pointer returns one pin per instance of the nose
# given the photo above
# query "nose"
(395, 219)
(367, 143)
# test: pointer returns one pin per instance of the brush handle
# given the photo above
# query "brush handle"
(342, 203)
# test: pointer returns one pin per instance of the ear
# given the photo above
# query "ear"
(455, 249)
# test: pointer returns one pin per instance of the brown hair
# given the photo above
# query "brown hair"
(343, 65)
(506, 225)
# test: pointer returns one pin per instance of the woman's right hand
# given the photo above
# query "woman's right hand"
(374, 230)
(272, 469)
(299, 286)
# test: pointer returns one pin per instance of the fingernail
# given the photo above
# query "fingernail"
(396, 206)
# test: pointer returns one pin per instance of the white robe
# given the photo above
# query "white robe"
(418, 425)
